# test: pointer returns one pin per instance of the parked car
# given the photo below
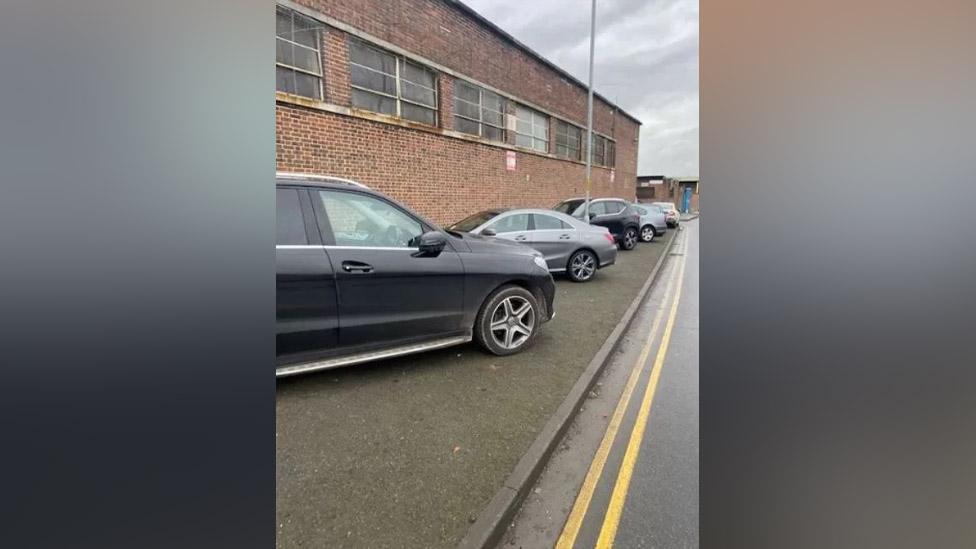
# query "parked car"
(568, 244)
(671, 211)
(616, 214)
(653, 221)
(360, 277)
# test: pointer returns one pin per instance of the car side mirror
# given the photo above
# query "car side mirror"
(488, 232)
(431, 244)
(592, 215)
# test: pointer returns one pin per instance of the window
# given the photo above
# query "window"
(478, 111)
(291, 225)
(362, 220)
(470, 223)
(511, 224)
(531, 129)
(568, 140)
(604, 152)
(597, 208)
(389, 84)
(614, 207)
(549, 223)
(298, 65)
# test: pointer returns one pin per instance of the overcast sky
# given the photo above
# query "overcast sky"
(646, 62)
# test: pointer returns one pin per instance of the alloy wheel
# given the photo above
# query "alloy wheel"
(647, 234)
(583, 266)
(512, 322)
(630, 239)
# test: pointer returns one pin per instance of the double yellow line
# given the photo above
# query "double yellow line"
(612, 518)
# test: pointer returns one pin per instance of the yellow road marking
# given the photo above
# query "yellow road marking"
(571, 529)
(612, 519)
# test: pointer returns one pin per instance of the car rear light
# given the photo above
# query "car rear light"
(609, 237)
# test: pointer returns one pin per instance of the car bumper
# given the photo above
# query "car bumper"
(608, 256)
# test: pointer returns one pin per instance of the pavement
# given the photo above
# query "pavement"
(630, 480)
(407, 452)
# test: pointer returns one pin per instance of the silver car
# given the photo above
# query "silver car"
(568, 244)
(653, 221)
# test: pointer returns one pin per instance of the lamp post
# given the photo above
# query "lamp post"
(589, 118)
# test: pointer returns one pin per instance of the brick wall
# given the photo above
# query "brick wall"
(441, 176)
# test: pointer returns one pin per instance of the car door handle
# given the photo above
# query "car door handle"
(356, 267)
(520, 237)
(564, 237)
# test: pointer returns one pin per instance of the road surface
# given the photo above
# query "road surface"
(627, 473)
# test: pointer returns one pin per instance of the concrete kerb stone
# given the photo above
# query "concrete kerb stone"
(494, 519)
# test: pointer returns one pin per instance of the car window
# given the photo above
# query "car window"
(642, 210)
(568, 207)
(470, 223)
(614, 207)
(512, 223)
(291, 226)
(598, 208)
(362, 220)
(549, 223)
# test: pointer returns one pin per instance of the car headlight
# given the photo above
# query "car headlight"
(541, 262)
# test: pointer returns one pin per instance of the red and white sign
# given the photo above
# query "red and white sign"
(510, 161)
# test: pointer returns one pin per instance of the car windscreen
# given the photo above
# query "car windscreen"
(568, 207)
(470, 223)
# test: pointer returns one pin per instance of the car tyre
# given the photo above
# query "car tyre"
(648, 233)
(494, 330)
(629, 239)
(581, 266)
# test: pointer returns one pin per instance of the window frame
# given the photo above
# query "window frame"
(608, 151)
(562, 130)
(398, 99)
(320, 76)
(481, 108)
(533, 114)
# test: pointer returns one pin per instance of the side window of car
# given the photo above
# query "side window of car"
(511, 224)
(549, 223)
(361, 220)
(291, 225)
(598, 208)
(615, 207)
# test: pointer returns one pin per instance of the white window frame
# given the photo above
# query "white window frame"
(481, 107)
(318, 50)
(398, 98)
(533, 116)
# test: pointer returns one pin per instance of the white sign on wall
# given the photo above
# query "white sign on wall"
(510, 161)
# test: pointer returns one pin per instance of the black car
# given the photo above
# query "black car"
(361, 277)
(616, 214)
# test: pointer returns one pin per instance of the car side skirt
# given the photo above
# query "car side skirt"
(349, 360)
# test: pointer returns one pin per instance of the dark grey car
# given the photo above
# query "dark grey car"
(569, 245)
(360, 277)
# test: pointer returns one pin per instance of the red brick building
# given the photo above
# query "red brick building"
(429, 102)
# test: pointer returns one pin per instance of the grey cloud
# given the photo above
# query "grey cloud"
(646, 61)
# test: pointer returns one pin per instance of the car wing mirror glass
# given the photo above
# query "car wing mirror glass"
(488, 232)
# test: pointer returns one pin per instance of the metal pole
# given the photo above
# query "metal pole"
(589, 118)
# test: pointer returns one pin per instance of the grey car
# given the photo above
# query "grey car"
(653, 221)
(569, 245)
